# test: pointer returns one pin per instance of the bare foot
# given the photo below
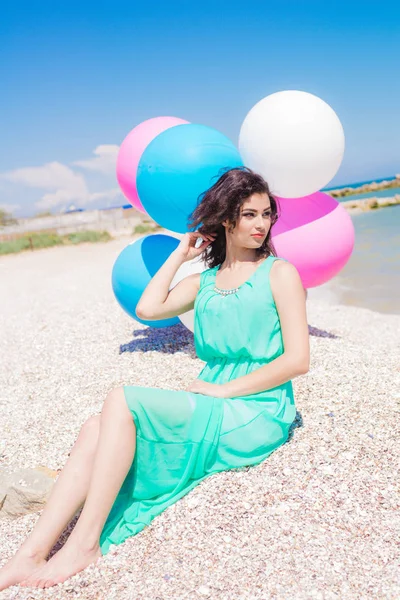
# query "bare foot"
(71, 559)
(19, 567)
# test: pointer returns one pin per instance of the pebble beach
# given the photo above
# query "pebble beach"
(319, 519)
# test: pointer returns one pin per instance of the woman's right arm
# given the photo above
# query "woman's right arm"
(158, 302)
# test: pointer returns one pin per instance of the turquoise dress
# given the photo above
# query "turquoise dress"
(183, 437)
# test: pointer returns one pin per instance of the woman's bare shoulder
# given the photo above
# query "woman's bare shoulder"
(282, 268)
(284, 275)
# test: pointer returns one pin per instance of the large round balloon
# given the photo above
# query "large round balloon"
(294, 140)
(315, 234)
(196, 265)
(177, 166)
(133, 269)
(132, 149)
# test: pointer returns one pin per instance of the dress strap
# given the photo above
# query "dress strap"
(205, 276)
(266, 276)
(264, 268)
(272, 259)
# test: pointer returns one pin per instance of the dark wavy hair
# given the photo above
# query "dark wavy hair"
(223, 201)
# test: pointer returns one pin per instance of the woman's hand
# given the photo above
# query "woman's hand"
(198, 386)
(187, 247)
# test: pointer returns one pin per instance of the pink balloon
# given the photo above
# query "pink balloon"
(131, 151)
(319, 248)
(300, 211)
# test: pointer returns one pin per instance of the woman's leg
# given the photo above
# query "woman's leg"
(114, 456)
(67, 496)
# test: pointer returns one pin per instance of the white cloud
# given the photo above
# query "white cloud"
(10, 208)
(63, 185)
(64, 197)
(52, 175)
(104, 161)
(107, 195)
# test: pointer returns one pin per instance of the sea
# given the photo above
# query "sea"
(371, 277)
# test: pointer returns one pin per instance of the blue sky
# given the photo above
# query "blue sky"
(78, 76)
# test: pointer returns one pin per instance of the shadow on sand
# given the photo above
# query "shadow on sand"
(163, 339)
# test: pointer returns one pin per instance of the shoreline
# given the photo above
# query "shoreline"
(366, 187)
(369, 204)
(334, 293)
(124, 222)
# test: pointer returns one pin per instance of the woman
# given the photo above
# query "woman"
(151, 446)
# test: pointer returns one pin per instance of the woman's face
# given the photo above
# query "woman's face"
(254, 218)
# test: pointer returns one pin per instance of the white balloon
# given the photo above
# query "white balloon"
(196, 265)
(294, 140)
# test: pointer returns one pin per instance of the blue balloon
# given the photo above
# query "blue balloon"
(177, 166)
(133, 269)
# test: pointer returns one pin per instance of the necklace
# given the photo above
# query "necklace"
(225, 292)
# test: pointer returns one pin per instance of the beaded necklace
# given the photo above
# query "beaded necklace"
(225, 292)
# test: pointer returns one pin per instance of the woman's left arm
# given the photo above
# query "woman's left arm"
(290, 299)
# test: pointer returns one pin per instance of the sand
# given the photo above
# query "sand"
(318, 519)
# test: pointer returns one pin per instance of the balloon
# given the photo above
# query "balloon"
(132, 149)
(294, 140)
(315, 234)
(135, 266)
(179, 165)
(196, 265)
(295, 212)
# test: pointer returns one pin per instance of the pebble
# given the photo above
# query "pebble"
(204, 590)
(318, 519)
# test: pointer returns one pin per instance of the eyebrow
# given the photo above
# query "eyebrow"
(254, 210)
